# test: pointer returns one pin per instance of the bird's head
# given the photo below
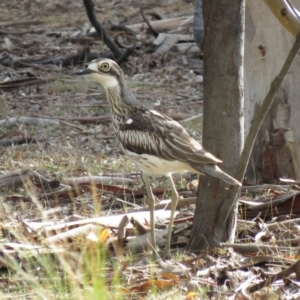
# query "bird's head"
(104, 71)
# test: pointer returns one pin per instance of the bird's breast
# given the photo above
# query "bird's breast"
(154, 165)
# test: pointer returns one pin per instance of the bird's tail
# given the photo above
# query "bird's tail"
(215, 171)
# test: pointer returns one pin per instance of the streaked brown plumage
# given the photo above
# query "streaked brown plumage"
(155, 142)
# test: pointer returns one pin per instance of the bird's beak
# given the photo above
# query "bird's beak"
(84, 72)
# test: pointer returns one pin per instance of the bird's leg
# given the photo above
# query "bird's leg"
(151, 202)
(174, 200)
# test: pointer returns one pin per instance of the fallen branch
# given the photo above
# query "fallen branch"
(295, 268)
(142, 243)
(36, 121)
(256, 248)
(89, 120)
(17, 178)
(90, 180)
(67, 60)
(25, 82)
(283, 225)
(112, 221)
(22, 32)
(166, 204)
(16, 138)
(20, 23)
(18, 141)
(161, 25)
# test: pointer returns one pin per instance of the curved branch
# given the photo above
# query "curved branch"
(152, 31)
(286, 14)
(89, 5)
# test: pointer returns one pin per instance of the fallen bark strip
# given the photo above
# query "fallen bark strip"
(59, 192)
(67, 60)
(250, 261)
(184, 48)
(89, 120)
(65, 194)
(35, 121)
(270, 202)
(271, 206)
(181, 203)
(79, 39)
(283, 225)
(143, 242)
(165, 41)
(112, 221)
(167, 204)
(265, 187)
(18, 141)
(100, 187)
(71, 234)
(90, 180)
(107, 119)
(125, 202)
(25, 82)
(46, 121)
(295, 268)
(46, 68)
(287, 242)
(161, 25)
(22, 32)
(21, 22)
(119, 27)
(17, 178)
(256, 248)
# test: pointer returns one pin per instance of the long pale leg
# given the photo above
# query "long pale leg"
(174, 200)
(151, 202)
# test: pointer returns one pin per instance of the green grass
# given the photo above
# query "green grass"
(77, 274)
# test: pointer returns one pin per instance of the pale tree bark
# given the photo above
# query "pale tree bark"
(223, 122)
(267, 43)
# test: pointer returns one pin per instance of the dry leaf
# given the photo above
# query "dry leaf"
(124, 290)
(104, 235)
(163, 285)
(191, 295)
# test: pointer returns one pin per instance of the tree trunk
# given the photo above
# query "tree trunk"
(223, 121)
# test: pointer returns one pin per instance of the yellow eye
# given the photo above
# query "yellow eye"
(104, 67)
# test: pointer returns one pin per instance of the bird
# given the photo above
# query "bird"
(156, 143)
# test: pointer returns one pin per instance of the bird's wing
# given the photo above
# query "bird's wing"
(149, 132)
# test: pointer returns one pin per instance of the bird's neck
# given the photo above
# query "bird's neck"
(121, 100)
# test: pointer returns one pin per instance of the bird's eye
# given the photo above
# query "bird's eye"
(104, 67)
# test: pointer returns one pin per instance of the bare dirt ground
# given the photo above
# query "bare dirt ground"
(58, 125)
